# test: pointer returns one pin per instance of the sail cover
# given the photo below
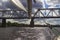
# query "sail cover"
(19, 4)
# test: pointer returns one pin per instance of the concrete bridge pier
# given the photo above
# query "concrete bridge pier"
(3, 22)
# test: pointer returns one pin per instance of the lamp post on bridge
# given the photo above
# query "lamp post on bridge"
(29, 2)
(30, 12)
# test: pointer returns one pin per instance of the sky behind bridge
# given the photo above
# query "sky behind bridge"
(45, 3)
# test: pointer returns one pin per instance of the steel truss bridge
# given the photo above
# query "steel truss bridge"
(43, 13)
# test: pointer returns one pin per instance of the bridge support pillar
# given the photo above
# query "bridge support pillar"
(3, 22)
(32, 22)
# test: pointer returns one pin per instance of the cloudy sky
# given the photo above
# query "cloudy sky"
(45, 3)
(53, 3)
(8, 4)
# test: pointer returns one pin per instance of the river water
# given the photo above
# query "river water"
(26, 33)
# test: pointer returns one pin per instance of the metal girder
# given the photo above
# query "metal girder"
(49, 8)
(26, 17)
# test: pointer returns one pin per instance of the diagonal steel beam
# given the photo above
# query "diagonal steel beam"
(19, 4)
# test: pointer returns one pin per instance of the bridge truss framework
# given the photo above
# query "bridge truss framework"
(43, 15)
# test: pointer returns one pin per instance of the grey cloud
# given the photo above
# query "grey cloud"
(35, 5)
(55, 1)
(10, 5)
